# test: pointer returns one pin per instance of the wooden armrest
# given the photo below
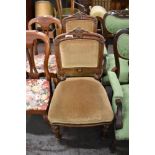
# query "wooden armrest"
(118, 115)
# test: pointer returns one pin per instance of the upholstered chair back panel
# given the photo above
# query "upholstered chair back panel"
(79, 53)
(123, 45)
(124, 70)
(113, 24)
(87, 25)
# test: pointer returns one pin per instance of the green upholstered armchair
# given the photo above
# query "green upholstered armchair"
(120, 100)
(118, 62)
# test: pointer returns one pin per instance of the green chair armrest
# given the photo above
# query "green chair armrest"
(118, 96)
(115, 84)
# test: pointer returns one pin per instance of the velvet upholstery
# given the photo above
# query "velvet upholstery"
(124, 69)
(85, 54)
(113, 24)
(118, 94)
(123, 45)
(123, 134)
(110, 64)
(87, 25)
(81, 100)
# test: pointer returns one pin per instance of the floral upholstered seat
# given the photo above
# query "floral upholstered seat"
(37, 94)
(39, 63)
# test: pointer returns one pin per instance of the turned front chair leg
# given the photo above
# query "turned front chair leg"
(113, 146)
(56, 131)
(105, 131)
(45, 117)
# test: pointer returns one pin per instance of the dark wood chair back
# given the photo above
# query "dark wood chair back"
(121, 48)
(31, 37)
(46, 23)
(79, 53)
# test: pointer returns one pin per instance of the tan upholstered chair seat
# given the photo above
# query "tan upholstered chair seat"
(80, 101)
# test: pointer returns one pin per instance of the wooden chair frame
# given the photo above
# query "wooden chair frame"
(79, 16)
(73, 3)
(116, 52)
(31, 36)
(79, 33)
(63, 73)
(45, 22)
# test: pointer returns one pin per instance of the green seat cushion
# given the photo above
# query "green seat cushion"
(115, 84)
(110, 64)
(124, 69)
(123, 134)
(113, 24)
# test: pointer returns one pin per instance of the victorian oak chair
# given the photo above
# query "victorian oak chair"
(120, 100)
(45, 23)
(48, 24)
(79, 99)
(38, 92)
(64, 12)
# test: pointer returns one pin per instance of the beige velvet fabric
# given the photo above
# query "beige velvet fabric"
(81, 101)
(79, 53)
(87, 25)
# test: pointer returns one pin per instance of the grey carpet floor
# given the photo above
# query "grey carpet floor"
(75, 141)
